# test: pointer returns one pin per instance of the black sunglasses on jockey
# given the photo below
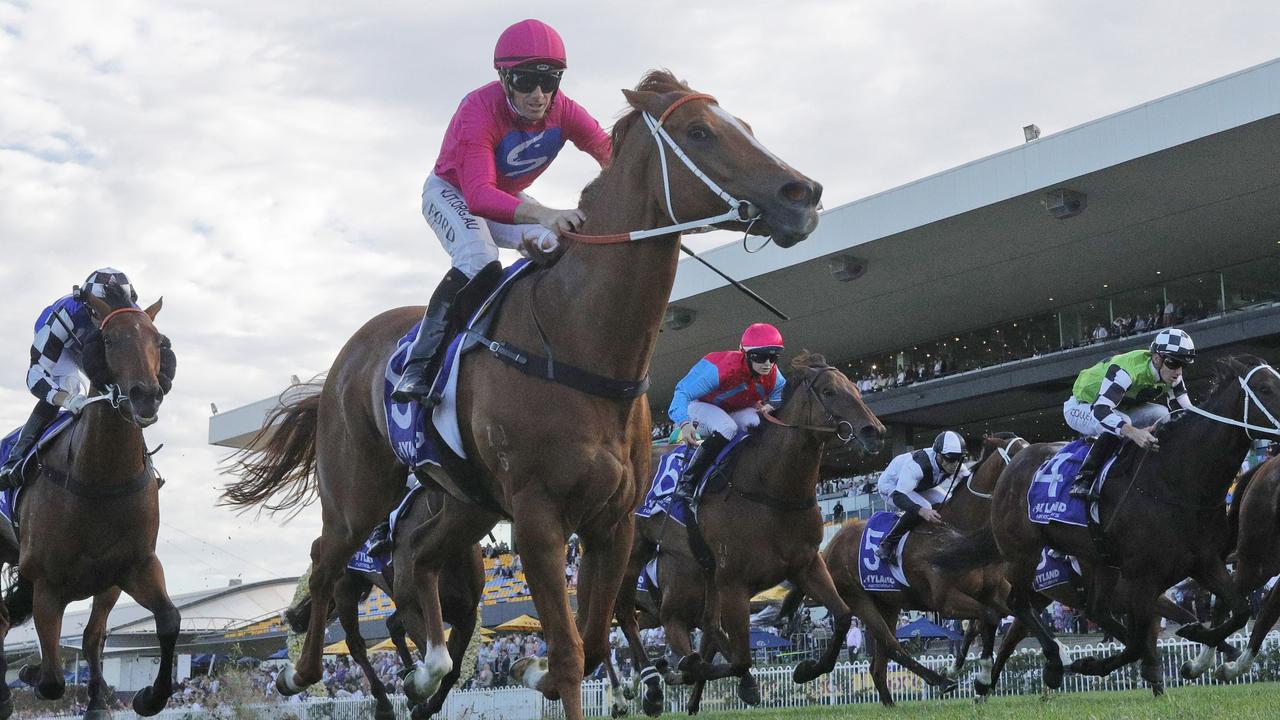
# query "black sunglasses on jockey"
(526, 81)
(763, 356)
(1173, 363)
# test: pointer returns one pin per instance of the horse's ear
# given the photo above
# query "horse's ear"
(645, 101)
(98, 307)
(154, 309)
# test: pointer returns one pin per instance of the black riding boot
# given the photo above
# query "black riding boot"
(888, 548)
(1103, 447)
(702, 459)
(40, 418)
(380, 539)
(414, 383)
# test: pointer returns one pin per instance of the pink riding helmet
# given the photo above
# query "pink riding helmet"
(529, 41)
(762, 336)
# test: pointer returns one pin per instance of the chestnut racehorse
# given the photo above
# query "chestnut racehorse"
(554, 458)
(762, 528)
(90, 511)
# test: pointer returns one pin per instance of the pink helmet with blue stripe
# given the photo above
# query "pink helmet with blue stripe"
(529, 41)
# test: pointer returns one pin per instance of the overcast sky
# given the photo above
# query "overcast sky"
(259, 164)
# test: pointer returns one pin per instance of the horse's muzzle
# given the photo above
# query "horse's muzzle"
(870, 439)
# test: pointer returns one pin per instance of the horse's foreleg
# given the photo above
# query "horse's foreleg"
(329, 555)
(880, 624)
(147, 587)
(347, 596)
(983, 680)
(1017, 631)
(970, 633)
(47, 610)
(879, 673)
(1268, 613)
(604, 563)
(395, 628)
(734, 602)
(1217, 580)
(540, 535)
(461, 612)
(706, 648)
(6, 695)
(93, 642)
(625, 613)
(815, 581)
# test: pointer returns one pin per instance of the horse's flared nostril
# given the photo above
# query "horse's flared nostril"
(800, 193)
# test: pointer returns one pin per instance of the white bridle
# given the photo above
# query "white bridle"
(1250, 398)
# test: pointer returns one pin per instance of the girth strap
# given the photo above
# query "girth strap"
(558, 372)
(95, 492)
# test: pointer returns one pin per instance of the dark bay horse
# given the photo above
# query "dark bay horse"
(1163, 519)
(460, 591)
(762, 528)
(90, 512)
(553, 458)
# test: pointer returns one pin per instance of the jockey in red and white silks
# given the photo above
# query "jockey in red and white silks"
(725, 392)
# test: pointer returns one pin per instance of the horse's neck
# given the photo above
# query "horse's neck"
(106, 447)
(1208, 452)
(786, 461)
(605, 303)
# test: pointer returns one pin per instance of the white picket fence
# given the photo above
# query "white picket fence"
(849, 683)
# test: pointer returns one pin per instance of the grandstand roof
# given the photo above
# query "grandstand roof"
(973, 245)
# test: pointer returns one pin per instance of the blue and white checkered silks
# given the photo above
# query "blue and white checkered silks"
(98, 280)
(1175, 343)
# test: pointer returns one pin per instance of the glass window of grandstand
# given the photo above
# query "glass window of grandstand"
(1251, 285)
(1136, 311)
(1192, 298)
(1085, 323)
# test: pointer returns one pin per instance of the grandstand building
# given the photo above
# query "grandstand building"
(977, 294)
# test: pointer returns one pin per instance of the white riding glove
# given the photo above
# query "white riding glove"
(76, 403)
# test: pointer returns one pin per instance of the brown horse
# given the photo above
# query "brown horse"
(762, 528)
(553, 458)
(461, 590)
(1163, 519)
(1256, 515)
(90, 512)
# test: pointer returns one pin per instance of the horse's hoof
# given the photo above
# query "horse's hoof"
(97, 714)
(384, 710)
(51, 691)
(1052, 677)
(661, 665)
(30, 674)
(6, 708)
(948, 686)
(1157, 689)
(749, 690)
(807, 670)
(981, 688)
(693, 708)
(287, 681)
(980, 699)
(628, 693)
(690, 666)
(652, 702)
(147, 703)
(1188, 671)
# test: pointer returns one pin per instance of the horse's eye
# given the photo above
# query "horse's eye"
(828, 392)
(699, 132)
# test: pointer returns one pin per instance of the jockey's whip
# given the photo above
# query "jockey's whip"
(746, 290)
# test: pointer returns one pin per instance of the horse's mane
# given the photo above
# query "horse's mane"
(804, 361)
(657, 81)
(990, 449)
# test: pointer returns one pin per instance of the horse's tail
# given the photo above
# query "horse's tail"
(19, 596)
(975, 550)
(281, 457)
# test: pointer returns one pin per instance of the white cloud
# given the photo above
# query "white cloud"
(259, 164)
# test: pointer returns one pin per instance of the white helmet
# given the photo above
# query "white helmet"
(949, 445)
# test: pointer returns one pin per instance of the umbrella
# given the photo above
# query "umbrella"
(761, 639)
(923, 628)
(524, 623)
(338, 648)
(776, 593)
(281, 654)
